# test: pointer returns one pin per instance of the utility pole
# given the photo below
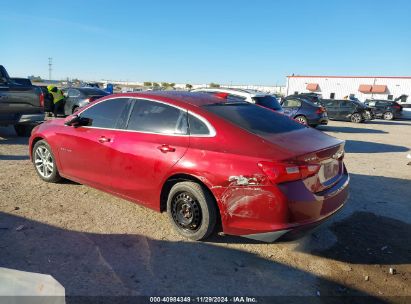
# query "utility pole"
(50, 66)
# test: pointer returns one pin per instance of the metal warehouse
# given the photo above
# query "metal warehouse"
(362, 87)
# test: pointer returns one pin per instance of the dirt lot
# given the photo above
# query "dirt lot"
(97, 244)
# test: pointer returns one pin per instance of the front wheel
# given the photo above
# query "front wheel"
(356, 118)
(44, 162)
(191, 210)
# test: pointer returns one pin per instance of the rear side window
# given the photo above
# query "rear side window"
(292, 103)
(156, 117)
(196, 126)
(269, 102)
(254, 119)
(106, 114)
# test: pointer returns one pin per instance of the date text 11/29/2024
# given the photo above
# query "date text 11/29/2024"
(203, 300)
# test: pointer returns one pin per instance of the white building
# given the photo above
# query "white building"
(362, 87)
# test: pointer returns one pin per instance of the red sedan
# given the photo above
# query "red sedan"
(203, 159)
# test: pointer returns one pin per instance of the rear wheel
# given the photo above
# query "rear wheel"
(44, 162)
(388, 116)
(301, 119)
(191, 210)
(356, 118)
(23, 130)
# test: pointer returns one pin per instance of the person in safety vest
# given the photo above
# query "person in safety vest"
(58, 99)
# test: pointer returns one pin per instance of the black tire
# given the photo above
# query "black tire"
(356, 118)
(200, 208)
(388, 116)
(54, 177)
(23, 130)
(314, 126)
(302, 119)
(75, 109)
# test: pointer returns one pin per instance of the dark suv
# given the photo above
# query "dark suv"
(386, 109)
(348, 110)
(303, 109)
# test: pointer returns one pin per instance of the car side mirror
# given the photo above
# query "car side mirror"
(77, 121)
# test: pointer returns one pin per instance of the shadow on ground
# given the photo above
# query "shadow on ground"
(375, 228)
(340, 129)
(402, 122)
(98, 264)
(9, 137)
(357, 146)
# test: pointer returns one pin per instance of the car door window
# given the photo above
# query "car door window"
(155, 117)
(330, 103)
(108, 114)
(292, 103)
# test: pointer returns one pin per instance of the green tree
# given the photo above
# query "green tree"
(148, 84)
(155, 84)
(189, 86)
(214, 85)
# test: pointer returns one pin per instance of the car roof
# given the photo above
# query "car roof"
(180, 98)
(240, 92)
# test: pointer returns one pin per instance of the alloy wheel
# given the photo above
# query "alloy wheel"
(356, 118)
(43, 161)
(301, 119)
(388, 116)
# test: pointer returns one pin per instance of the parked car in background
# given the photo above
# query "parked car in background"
(203, 159)
(80, 97)
(304, 110)
(386, 109)
(347, 110)
(21, 104)
(251, 96)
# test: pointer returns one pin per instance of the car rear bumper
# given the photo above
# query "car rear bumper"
(300, 212)
(318, 121)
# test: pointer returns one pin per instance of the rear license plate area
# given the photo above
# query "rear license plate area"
(329, 170)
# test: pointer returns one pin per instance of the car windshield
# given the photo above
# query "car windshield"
(253, 118)
(268, 102)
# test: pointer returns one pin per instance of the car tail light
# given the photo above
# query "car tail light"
(320, 110)
(287, 172)
(41, 100)
(89, 100)
(397, 106)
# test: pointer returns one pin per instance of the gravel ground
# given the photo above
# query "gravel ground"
(97, 244)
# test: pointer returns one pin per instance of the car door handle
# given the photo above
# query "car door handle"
(166, 148)
(104, 139)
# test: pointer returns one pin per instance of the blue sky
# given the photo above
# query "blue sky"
(239, 42)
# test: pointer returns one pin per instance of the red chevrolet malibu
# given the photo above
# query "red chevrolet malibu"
(204, 160)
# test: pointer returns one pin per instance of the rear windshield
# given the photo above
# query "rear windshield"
(268, 102)
(254, 119)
